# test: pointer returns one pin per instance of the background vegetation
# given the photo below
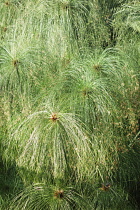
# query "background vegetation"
(69, 106)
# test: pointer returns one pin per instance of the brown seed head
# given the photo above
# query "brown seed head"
(7, 3)
(105, 187)
(5, 29)
(59, 194)
(54, 117)
(15, 63)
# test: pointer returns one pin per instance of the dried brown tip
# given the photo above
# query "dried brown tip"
(59, 194)
(54, 117)
(105, 187)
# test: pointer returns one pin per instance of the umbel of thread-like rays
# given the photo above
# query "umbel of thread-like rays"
(40, 196)
(89, 93)
(55, 141)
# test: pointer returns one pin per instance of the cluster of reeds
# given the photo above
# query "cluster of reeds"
(70, 111)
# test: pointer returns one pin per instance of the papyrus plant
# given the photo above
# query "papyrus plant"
(49, 139)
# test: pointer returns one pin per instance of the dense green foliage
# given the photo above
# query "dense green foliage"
(69, 104)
